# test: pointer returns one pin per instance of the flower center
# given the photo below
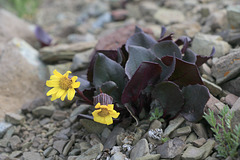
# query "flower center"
(104, 112)
(65, 83)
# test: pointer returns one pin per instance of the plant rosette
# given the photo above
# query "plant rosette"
(145, 74)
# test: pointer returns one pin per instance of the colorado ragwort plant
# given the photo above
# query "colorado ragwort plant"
(146, 73)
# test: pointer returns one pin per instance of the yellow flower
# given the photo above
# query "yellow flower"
(62, 86)
(104, 114)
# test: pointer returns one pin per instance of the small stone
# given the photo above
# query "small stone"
(92, 126)
(173, 125)
(233, 14)
(170, 16)
(84, 146)
(68, 145)
(150, 157)
(213, 88)
(156, 124)
(91, 153)
(14, 118)
(4, 127)
(181, 131)
(137, 136)
(105, 134)
(112, 139)
(53, 153)
(192, 137)
(59, 115)
(232, 86)
(140, 149)
(171, 148)
(74, 152)
(15, 154)
(199, 142)
(148, 8)
(47, 151)
(119, 14)
(200, 130)
(236, 109)
(118, 156)
(59, 145)
(44, 111)
(32, 156)
(80, 62)
(207, 147)
(15, 142)
(202, 44)
(83, 108)
(230, 99)
(192, 153)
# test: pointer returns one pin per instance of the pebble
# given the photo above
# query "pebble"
(15, 154)
(4, 127)
(91, 153)
(105, 134)
(14, 118)
(213, 88)
(83, 108)
(181, 131)
(32, 156)
(140, 149)
(69, 145)
(233, 14)
(173, 125)
(44, 111)
(156, 124)
(170, 16)
(118, 156)
(91, 126)
(150, 157)
(200, 130)
(59, 115)
(84, 146)
(192, 153)
(112, 139)
(15, 142)
(199, 142)
(47, 151)
(59, 145)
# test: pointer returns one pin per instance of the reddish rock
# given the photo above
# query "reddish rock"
(119, 14)
(230, 99)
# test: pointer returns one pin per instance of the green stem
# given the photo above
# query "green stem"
(84, 97)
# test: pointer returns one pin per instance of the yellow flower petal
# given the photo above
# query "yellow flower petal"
(54, 77)
(63, 96)
(56, 73)
(98, 105)
(114, 114)
(71, 93)
(52, 91)
(67, 73)
(110, 106)
(108, 120)
(60, 93)
(74, 78)
(51, 83)
(54, 97)
(76, 84)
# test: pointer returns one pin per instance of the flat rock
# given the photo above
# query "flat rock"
(27, 69)
(156, 124)
(181, 131)
(227, 67)
(171, 148)
(213, 88)
(140, 149)
(59, 145)
(203, 43)
(232, 86)
(14, 118)
(83, 108)
(91, 153)
(68, 146)
(3, 128)
(192, 153)
(118, 156)
(44, 111)
(150, 157)
(236, 109)
(81, 60)
(173, 124)
(200, 130)
(59, 115)
(230, 99)
(91, 126)
(31, 156)
(207, 147)
(233, 15)
(112, 138)
(199, 142)
(170, 16)
(64, 51)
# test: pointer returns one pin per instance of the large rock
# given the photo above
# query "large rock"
(233, 14)
(22, 76)
(168, 16)
(11, 26)
(227, 67)
(236, 109)
(233, 86)
(140, 149)
(203, 43)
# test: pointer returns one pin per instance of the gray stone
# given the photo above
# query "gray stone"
(53, 152)
(83, 108)
(205, 69)
(4, 127)
(156, 124)
(74, 152)
(112, 139)
(150, 157)
(92, 126)
(74, 38)
(173, 124)
(59, 145)
(105, 134)
(227, 67)
(192, 153)
(181, 131)
(81, 60)
(232, 86)
(59, 115)
(69, 145)
(133, 10)
(14, 118)
(233, 15)
(140, 149)
(61, 68)
(64, 51)
(31, 156)
(44, 111)
(148, 8)
(47, 151)
(203, 43)
(15, 142)
(199, 142)
(213, 88)
(15, 154)
(236, 109)
(97, 8)
(207, 147)
(118, 156)
(170, 16)
(200, 130)
(192, 137)
(84, 146)
(230, 99)
(91, 153)
(188, 28)
(171, 148)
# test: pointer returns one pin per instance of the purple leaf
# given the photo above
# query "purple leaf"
(42, 36)
(145, 74)
(168, 65)
(169, 97)
(169, 37)
(195, 97)
(163, 31)
(185, 73)
(202, 59)
(190, 56)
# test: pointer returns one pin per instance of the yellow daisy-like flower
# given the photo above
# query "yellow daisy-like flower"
(62, 86)
(104, 114)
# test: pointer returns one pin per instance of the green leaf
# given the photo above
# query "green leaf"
(111, 89)
(106, 70)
